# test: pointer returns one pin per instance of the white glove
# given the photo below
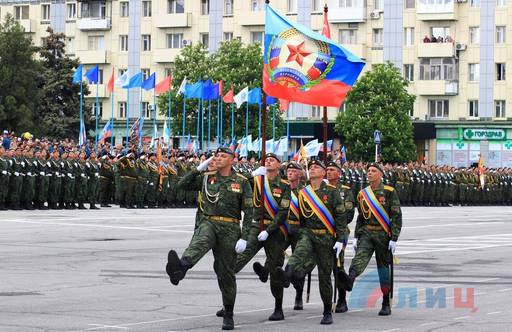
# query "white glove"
(263, 236)
(338, 246)
(262, 170)
(240, 246)
(392, 246)
(204, 165)
(354, 245)
(4, 172)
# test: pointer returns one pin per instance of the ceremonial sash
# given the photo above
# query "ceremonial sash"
(377, 209)
(322, 212)
(269, 202)
(294, 205)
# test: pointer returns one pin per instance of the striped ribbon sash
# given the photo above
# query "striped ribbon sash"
(319, 208)
(377, 209)
(294, 205)
(269, 202)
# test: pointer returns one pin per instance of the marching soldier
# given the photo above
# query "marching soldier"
(378, 226)
(93, 176)
(80, 180)
(106, 180)
(55, 175)
(226, 194)
(5, 165)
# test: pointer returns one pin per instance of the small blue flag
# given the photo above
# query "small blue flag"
(134, 82)
(93, 74)
(77, 75)
(149, 83)
(254, 96)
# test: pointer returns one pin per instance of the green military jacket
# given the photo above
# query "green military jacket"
(388, 198)
(225, 196)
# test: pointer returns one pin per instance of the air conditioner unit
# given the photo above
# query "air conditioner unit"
(460, 47)
(186, 42)
(375, 15)
(462, 1)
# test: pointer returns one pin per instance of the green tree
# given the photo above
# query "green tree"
(59, 114)
(20, 76)
(379, 100)
(236, 65)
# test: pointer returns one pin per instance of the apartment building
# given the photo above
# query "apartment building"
(453, 52)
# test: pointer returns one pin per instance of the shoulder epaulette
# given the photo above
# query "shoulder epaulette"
(210, 173)
(331, 186)
(345, 187)
(242, 176)
(285, 181)
(389, 188)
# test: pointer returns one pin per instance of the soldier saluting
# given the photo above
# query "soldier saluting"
(225, 195)
(377, 229)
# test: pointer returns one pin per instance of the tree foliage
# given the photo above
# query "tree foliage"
(236, 65)
(379, 100)
(20, 78)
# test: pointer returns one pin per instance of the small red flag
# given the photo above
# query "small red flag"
(110, 86)
(283, 104)
(164, 86)
(326, 30)
(228, 97)
(221, 88)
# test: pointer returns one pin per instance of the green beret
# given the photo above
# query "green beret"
(334, 164)
(225, 150)
(316, 162)
(294, 165)
(272, 155)
(377, 166)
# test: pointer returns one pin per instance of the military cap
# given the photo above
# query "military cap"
(334, 164)
(316, 162)
(294, 165)
(272, 155)
(225, 150)
(377, 166)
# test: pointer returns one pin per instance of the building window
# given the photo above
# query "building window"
(70, 45)
(438, 108)
(499, 106)
(316, 112)
(228, 36)
(500, 72)
(347, 3)
(348, 36)
(438, 69)
(316, 5)
(96, 43)
(146, 8)
(123, 43)
(474, 3)
(145, 73)
(205, 39)
(146, 43)
(409, 72)
(474, 35)
(377, 37)
(473, 108)
(145, 109)
(292, 6)
(500, 34)
(228, 7)
(501, 3)
(121, 71)
(175, 6)
(121, 109)
(174, 40)
(100, 76)
(124, 8)
(257, 5)
(21, 12)
(408, 36)
(45, 12)
(205, 7)
(440, 33)
(410, 4)
(99, 107)
(474, 72)
(168, 72)
(379, 5)
(94, 9)
(71, 11)
(257, 37)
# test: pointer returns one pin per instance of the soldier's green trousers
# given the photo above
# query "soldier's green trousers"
(15, 184)
(92, 191)
(105, 190)
(274, 249)
(28, 190)
(41, 195)
(54, 191)
(318, 247)
(221, 238)
(369, 242)
(4, 188)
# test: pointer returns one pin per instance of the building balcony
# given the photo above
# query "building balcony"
(446, 11)
(93, 23)
(356, 49)
(165, 55)
(173, 20)
(28, 25)
(437, 88)
(436, 50)
(94, 57)
(348, 15)
(253, 18)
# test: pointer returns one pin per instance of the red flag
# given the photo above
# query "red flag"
(326, 30)
(221, 88)
(164, 85)
(228, 97)
(110, 85)
(283, 104)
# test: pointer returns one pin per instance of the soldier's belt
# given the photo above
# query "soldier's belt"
(224, 219)
(128, 177)
(265, 222)
(318, 231)
(373, 228)
(293, 222)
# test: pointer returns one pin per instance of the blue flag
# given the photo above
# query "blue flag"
(271, 100)
(77, 75)
(149, 83)
(210, 90)
(93, 74)
(194, 90)
(134, 82)
(254, 96)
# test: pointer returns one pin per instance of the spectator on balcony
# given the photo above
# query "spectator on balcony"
(449, 39)
(433, 39)
(440, 39)
(426, 39)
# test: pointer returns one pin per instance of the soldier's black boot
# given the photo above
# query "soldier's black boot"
(228, 323)
(220, 313)
(176, 268)
(285, 276)
(261, 271)
(81, 206)
(2, 207)
(347, 280)
(299, 288)
(386, 307)
(93, 207)
(327, 319)
(278, 311)
(341, 305)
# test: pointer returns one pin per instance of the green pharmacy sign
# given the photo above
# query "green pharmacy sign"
(484, 134)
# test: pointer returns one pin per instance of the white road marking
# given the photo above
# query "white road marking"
(427, 324)
(462, 317)
(505, 290)
(455, 225)
(109, 326)
(494, 312)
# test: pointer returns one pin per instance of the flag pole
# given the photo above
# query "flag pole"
(273, 122)
(127, 117)
(247, 118)
(221, 123)
(209, 124)
(287, 128)
(81, 108)
(232, 120)
(112, 115)
(199, 113)
(183, 121)
(154, 108)
(263, 144)
(96, 115)
(141, 117)
(169, 115)
(324, 118)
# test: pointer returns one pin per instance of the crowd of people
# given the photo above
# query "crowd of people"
(438, 39)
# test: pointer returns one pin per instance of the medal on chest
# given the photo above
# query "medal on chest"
(235, 187)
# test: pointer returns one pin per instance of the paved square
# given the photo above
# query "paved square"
(104, 271)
